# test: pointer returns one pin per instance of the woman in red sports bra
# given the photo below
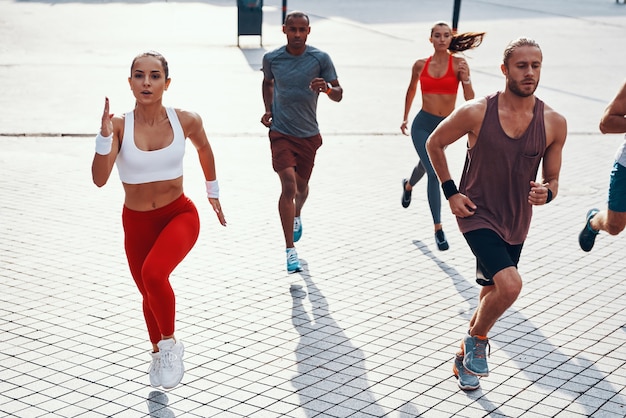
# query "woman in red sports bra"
(439, 76)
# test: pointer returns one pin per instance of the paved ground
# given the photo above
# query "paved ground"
(370, 327)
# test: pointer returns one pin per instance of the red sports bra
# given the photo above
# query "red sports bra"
(448, 84)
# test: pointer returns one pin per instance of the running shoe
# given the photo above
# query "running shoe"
(466, 381)
(587, 236)
(475, 359)
(297, 229)
(293, 262)
(172, 367)
(440, 239)
(406, 194)
(155, 370)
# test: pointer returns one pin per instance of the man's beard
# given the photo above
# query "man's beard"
(515, 89)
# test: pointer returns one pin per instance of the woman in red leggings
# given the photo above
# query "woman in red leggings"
(161, 224)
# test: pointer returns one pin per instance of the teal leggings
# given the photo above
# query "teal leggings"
(423, 125)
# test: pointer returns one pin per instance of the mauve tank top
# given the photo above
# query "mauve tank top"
(497, 174)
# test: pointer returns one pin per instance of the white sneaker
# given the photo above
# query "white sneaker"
(172, 367)
(155, 370)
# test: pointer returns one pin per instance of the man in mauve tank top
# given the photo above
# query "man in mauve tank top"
(509, 135)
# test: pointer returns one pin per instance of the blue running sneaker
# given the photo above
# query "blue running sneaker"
(466, 381)
(297, 229)
(587, 236)
(293, 263)
(475, 359)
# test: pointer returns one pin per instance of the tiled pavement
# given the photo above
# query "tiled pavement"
(370, 327)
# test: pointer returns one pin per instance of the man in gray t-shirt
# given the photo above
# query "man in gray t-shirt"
(294, 75)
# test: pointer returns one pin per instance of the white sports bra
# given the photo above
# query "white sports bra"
(136, 166)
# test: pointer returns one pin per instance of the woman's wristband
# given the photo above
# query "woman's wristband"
(104, 144)
(550, 196)
(212, 189)
(329, 88)
(449, 189)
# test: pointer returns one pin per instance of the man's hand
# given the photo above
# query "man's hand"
(538, 194)
(266, 119)
(461, 205)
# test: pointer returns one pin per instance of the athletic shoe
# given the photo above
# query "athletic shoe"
(440, 239)
(406, 194)
(172, 367)
(466, 381)
(475, 359)
(293, 263)
(587, 236)
(297, 229)
(155, 370)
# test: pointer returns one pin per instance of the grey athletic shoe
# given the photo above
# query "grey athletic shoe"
(475, 359)
(466, 380)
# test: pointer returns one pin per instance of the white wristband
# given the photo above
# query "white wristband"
(468, 81)
(212, 189)
(103, 144)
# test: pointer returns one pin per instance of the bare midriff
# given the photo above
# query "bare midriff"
(148, 196)
(438, 104)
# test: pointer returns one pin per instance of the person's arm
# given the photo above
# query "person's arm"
(267, 90)
(463, 74)
(411, 91)
(335, 92)
(331, 88)
(194, 130)
(613, 120)
(464, 120)
(556, 132)
(107, 147)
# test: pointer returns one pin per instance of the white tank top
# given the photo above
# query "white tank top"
(136, 166)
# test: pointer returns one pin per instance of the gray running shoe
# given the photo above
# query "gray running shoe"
(466, 381)
(475, 359)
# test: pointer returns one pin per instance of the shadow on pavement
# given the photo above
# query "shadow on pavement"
(331, 370)
(157, 405)
(583, 373)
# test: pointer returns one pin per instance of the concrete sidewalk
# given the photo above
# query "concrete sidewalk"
(370, 327)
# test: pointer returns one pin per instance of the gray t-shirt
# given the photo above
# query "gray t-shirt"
(294, 107)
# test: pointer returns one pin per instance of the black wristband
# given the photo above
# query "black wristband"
(549, 199)
(449, 189)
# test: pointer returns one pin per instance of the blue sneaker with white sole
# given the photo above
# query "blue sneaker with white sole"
(293, 262)
(297, 229)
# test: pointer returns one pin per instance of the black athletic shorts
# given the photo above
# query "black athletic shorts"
(492, 254)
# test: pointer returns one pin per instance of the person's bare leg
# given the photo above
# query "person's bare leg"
(495, 300)
(609, 221)
(302, 193)
(286, 204)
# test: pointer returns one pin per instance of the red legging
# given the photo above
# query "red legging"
(156, 242)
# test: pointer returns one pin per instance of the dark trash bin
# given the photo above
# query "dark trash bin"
(249, 18)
